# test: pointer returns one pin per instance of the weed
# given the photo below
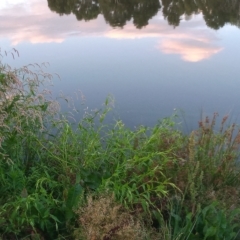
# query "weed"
(103, 218)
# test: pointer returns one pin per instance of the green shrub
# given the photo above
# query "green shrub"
(210, 223)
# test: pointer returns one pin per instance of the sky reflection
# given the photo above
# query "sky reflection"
(149, 71)
(33, 22)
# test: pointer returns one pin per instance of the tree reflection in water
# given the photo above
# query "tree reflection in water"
(216, 13)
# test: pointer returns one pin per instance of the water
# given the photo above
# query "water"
(152, 56)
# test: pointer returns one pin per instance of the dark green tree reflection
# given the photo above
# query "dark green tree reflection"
(173, 10)
(83, 9)
(143, 11)
(86, 9)
(61, 6)
(216, 13)
(115, 12)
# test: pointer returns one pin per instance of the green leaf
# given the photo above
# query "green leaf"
(72, 199)
(211, 231)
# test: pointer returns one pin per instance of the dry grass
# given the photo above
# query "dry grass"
(104, 219)
(209, 171)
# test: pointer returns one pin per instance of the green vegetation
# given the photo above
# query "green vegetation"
(107, 182)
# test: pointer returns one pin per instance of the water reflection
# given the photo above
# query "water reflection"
(142, 68)
(216, 13)
(192, 40)
(192, 50)
(115, 12)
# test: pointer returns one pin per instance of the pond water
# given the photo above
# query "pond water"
(152, 56)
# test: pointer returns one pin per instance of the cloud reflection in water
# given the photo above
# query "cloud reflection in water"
(33, 22)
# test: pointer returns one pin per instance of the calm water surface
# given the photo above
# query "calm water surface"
(152, 56)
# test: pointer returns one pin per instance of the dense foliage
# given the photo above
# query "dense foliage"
(89, 180)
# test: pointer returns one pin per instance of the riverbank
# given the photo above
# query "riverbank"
(97, 181)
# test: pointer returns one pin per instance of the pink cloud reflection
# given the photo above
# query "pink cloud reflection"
(192, 52)
(33, 22)
(192, 41)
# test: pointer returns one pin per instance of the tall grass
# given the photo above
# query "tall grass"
(97, 181)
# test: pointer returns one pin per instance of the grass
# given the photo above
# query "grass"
(97, 181)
